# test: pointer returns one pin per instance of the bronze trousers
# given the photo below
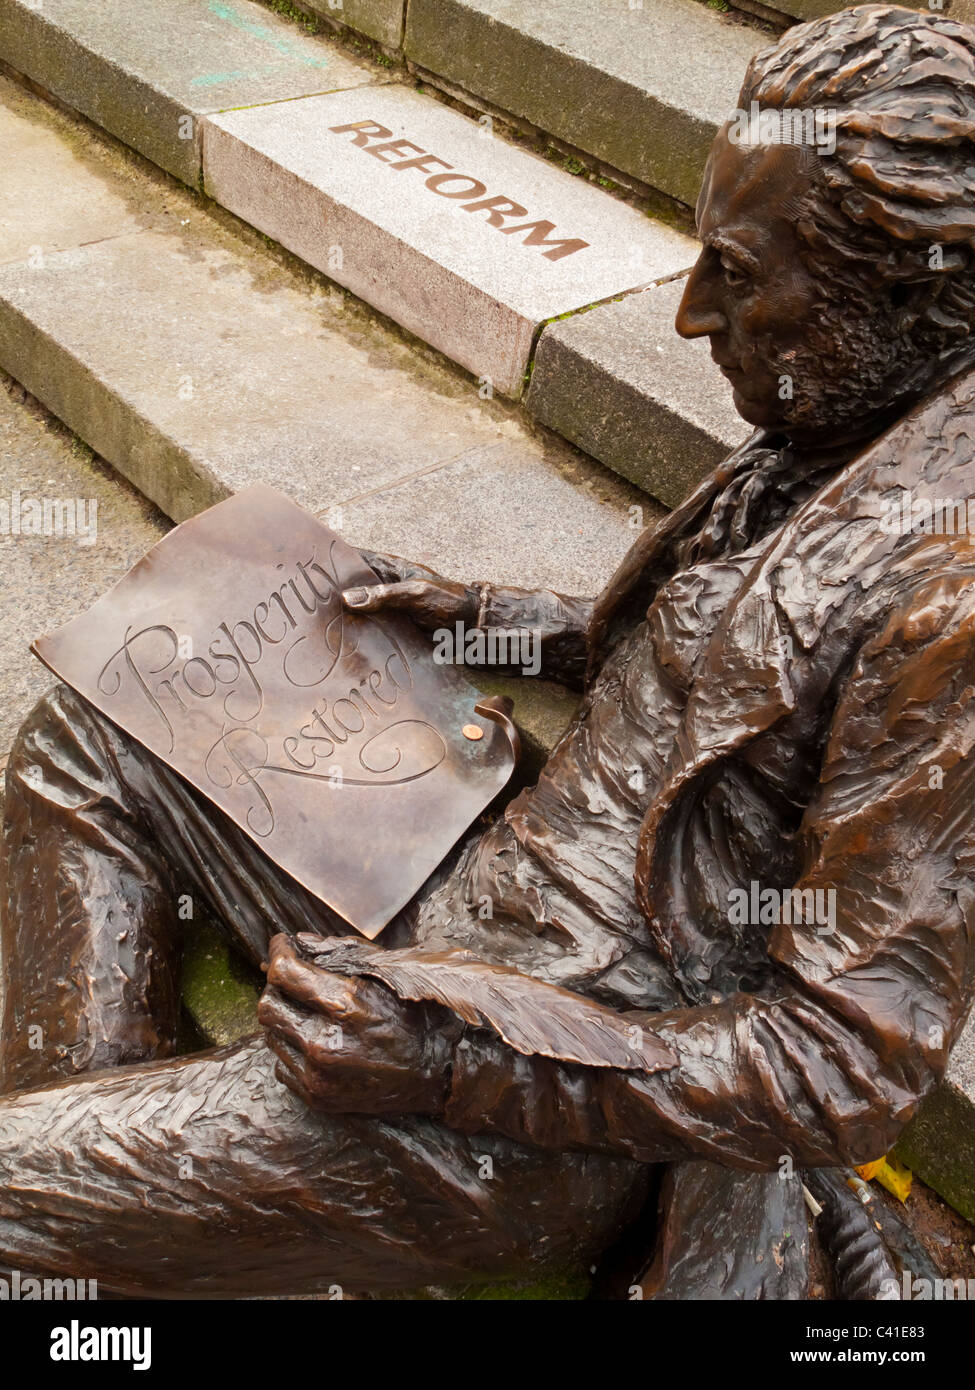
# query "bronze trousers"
(203, 1175)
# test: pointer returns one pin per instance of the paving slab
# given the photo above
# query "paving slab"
(148, 72)
(49, 160)
(534, 517)
(641, 88)
(381, 20)
(220, 381)
(620, 383)
(69, 529)
(466, 240)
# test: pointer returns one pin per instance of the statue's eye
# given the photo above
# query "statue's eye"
(733, 273)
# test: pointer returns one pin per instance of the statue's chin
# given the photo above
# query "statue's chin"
(769, 415)
(756, 412)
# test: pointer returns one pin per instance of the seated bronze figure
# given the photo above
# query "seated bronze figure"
(779, 690)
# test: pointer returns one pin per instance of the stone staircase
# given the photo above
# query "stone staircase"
(418, 270)
(236, 100)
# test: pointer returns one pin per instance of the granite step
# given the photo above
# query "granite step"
(621, 384)
(939, 1143)
(197, 361)
(449, 270)
(379, 20)
(817, 9)
(149, 74)
(469, 242)
(641, 85)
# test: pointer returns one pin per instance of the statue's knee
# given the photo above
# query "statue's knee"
(53, 714)
(61, 753)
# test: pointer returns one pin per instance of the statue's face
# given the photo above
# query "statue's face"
(802, 353)
(749, 291)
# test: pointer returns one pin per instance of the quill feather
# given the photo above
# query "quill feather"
(531, 1016)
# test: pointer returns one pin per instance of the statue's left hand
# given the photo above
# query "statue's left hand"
(351, 1045)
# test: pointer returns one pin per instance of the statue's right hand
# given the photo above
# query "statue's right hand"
(422, 594)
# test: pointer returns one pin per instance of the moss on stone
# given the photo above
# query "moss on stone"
(556, 1287)
(939, 1145)
(219, 992)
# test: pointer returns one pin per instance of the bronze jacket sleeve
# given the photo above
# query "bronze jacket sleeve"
(559, 624)
(827, 1064)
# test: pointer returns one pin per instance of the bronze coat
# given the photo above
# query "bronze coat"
(829, 1059)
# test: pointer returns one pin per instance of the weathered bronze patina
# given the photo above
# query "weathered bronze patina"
(571, 1019)
(228, 653)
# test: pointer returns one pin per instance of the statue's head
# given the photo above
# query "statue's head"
(837, 279)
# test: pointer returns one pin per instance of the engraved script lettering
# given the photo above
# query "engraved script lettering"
(228, 653)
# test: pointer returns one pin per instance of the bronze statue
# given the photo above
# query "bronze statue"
(779, 706)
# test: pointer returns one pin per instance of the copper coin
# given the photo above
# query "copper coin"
(472, 731)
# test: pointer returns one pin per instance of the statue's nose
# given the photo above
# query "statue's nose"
(699, 314)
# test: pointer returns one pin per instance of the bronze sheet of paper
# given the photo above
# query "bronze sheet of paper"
(333, 740)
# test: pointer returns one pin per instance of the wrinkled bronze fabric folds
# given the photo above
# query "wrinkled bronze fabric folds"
(818, 1045)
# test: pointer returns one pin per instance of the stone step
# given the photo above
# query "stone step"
(196, 362)
(621, 384)
(149, 73)
(69, 530)
(641, 85)
(817, 9)
(381, 20)
(641, 90)
(939, 1143)
(467, 241)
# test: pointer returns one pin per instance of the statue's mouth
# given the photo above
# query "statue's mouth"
(729, 368)
(733, 373)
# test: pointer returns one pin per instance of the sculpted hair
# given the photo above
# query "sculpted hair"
(897, 196)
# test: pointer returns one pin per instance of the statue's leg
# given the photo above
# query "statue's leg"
(88, 922)
(101, 844)
(205, 1175)
(728, 1235)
